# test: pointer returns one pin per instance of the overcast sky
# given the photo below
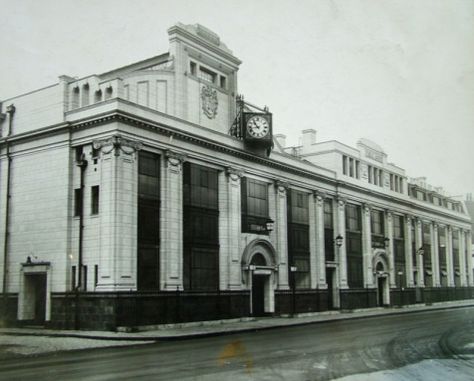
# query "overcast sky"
(400, 73)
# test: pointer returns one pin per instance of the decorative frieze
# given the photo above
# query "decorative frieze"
(117, 144)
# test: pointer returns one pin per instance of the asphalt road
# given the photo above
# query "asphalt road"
(311, 352)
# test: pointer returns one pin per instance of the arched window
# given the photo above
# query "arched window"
(75, 98)
(98, 96)
(85, 95)
(108, 92)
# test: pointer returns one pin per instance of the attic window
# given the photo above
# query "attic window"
(207, 75)
(222, 82)
(193, 68)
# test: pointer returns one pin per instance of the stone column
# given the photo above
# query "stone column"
(118, 214)
(390, 247)
(171, 248)
(435, 255)
(449, 256)
(408, 253)
(320, 251)
(367, 246)
(281, 233)
(419, 257)
(230, 223)
(341, 256)
(462, 261)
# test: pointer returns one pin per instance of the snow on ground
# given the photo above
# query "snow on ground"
(433, 370)
(32, 345)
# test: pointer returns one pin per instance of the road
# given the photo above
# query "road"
(311, 352)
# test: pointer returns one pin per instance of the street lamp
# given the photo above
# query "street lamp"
(338, 241)
(293, 270)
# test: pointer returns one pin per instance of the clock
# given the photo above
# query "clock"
(258, 127)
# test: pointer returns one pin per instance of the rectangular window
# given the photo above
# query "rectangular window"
(84, 278)
(353, 222)
(193, 68)
(95, 199)
(207, 75)
(357, 169)
(377, 222)
(96, 275)
(148, 221)
(328, 231)
(344, 164)
(298, 207)
(398, 227)
(95, 155)
(369, 172)
(200, 228)
(298, 237)
(351, 167)
(391, 182)
(73, 277)
(78, 153)
(376, 176)
(77, 202)
(223, 83)
(254, 204)
(380, 178)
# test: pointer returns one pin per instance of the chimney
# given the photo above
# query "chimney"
(308, 138)
(281, 139)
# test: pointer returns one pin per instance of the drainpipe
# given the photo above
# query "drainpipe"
(10, 111)
(82, 164)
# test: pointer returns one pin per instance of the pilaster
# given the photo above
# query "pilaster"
(367, 246)
(461, 256)
(171, 248)
(390, 246)
(341, 254)
(435, 255)
(469, 258)
(449, 256)
(319, 232)
(408, 252)
(118, 214)
(281, 233)
(419, 252)
(230, 223)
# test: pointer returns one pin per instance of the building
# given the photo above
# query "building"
(153, 193)
(470, 210)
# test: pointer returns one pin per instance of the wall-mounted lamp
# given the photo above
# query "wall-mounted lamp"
(339, 240)
(270, 225)
(386, 241)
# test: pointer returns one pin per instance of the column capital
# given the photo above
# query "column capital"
(319, 197)
(341, 202)
(118, 144)
(435, 226)
(367, 208)
(389, 214)
(281, 187)
(234, 173)
(174, 160)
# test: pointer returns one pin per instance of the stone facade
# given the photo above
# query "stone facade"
(69, 206)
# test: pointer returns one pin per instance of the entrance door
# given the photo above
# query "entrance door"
(38, 283)
(329, 281)
(380, 284)
(258, 295)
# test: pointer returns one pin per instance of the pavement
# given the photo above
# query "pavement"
(182, 331)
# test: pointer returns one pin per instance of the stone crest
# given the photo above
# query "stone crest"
(209, 101)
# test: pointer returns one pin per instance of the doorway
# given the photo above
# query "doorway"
(258, 295)
(331, 281)
(35, 298)
(380, 288)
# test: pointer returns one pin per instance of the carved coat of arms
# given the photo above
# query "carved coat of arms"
(209, 101)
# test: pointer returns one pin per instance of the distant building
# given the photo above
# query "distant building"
(153, 193)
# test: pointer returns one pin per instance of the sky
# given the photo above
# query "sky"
(400, 73)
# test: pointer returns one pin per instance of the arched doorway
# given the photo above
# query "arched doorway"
(258, 266)
(382, 279)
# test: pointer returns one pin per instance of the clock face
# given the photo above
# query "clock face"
(258, 127)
